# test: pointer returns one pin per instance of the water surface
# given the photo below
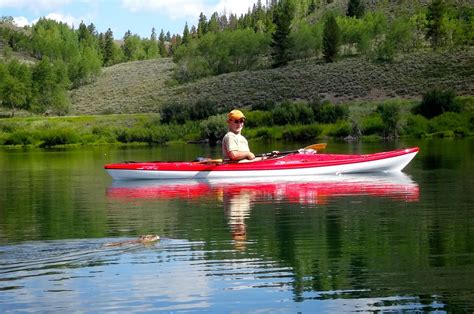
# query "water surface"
(335, 244)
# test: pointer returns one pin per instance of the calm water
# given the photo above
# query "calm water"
(329, 244)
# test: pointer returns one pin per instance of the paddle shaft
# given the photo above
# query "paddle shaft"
(316, 147)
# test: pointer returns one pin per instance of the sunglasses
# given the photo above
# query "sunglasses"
(239, 121)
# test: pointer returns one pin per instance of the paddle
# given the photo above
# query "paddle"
(210, 161)
(317, 147)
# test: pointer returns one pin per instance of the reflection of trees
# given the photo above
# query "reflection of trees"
(45, 198)
(371, 248)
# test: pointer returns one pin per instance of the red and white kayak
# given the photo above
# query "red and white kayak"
(295, 164)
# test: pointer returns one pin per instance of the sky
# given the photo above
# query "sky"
(138, 16)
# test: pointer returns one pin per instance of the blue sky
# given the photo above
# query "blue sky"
(138, 16)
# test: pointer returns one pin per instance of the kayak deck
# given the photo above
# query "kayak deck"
(291, 164)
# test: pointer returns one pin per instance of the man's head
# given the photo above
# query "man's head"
(235, 120)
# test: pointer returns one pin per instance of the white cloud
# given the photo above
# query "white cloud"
(33, 5)
(21, 21)
(232, 6)
(175, 9)
(68, 19)
(188, 8)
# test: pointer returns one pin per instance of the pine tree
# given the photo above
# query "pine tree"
(202, 25)
(331, 39)
(108, 53)
(213, 25)
(151, 46)
(281, 42)
(193, 32)
(92, 30)
(436, 11)
(83, 33)
(355, 8)
(162, 45)
(185, 34)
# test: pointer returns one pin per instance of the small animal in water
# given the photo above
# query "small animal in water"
(143, 239)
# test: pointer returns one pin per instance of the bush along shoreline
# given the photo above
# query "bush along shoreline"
(439, 114)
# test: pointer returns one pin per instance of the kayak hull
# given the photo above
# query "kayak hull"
(290, 165)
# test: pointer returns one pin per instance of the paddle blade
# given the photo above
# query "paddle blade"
(210, 161)
(317, 147)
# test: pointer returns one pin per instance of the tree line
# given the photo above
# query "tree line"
(287, 30)
(68, 58)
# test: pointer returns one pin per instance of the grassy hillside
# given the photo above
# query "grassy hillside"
(125, 88)
(144, 86)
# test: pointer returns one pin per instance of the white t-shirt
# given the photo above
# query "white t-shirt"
(234, 142)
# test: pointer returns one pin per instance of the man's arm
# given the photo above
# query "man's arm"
(238, 155)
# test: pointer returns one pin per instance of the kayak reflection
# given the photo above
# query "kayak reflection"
(303, 190)
(238, 195)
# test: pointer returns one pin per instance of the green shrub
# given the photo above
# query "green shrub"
(461, 132)
(289, 112)
(390, 115)
(444, 134)
(140, 135)
(174, 113)
(340, 129)
(143, 135)
(447, 121)
(202, 109)
(191, 68)
(8, 127)
(3, 138)
(267, 105)
(158, 136)
(59, 136)
(103, 132)
(264, 134)
(436, 102)
(302, 133)
(123, 136)
(372, 124)
(327, 112)
(20, 137)
(214, 128)
(180, 113)
(152, 122)
(465, 103)
(258, 118)
(416, 125)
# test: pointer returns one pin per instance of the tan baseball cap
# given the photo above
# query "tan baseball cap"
(235, 114)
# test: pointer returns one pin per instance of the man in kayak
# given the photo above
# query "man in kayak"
(234, 145)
